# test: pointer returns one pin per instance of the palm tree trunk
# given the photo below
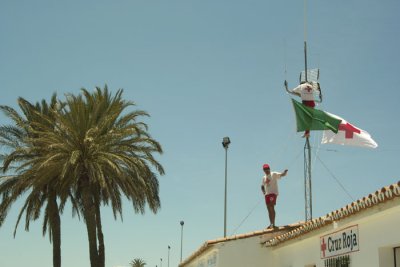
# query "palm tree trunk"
(55, 230)
(57, 244)
(100, 236)
(89, 214)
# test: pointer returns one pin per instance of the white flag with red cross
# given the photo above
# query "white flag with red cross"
(348, 135)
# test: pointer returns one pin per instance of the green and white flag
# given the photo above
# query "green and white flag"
(313, 119)
(348, 135)
(336, 129)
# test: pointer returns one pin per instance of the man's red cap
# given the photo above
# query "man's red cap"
(265, 166)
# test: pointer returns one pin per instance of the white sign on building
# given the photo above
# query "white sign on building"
(340, 242)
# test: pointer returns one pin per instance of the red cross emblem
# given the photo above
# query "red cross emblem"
(323, 247)
(308, 88)
(349, 130)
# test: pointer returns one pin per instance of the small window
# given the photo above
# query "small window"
(341, 261)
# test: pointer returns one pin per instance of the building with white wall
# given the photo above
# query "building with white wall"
(361, 234)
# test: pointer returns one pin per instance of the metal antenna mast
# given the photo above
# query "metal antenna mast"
(307, 148)
(307, 181)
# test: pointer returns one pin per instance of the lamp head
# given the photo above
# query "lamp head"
(225, 142)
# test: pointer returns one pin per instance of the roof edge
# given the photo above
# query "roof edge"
(380, 196)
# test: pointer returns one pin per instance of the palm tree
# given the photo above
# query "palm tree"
(137, 263)
(99, 152)
(18, 140)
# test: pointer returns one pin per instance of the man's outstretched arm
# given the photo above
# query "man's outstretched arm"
(290, 91)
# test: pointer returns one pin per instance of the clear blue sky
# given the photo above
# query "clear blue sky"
(204, 70)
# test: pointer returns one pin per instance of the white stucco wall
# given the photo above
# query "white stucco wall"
(243, 252)
(379, 233)
(209, 258)
(299, 252)
(240, 252)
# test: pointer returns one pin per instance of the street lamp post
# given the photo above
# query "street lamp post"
(182, 223)
(160, 262)
(168, 254)
(225, 143)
